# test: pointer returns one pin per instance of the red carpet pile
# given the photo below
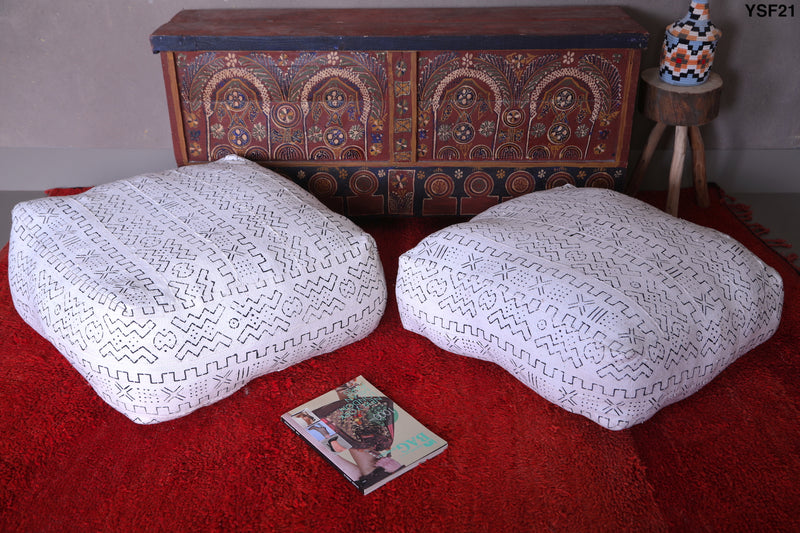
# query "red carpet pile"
(725, 459)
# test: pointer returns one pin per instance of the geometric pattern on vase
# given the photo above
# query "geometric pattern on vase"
(598, 302)
(171, 291)
(687, 52)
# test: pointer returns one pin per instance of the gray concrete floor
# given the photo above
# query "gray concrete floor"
(780, 213)
(8, 199)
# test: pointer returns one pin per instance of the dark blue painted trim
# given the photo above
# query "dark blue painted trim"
(188, 43)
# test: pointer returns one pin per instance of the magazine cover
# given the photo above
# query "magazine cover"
(364, 434)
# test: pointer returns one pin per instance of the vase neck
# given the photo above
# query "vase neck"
(699, 10)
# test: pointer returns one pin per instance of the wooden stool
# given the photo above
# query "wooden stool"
(686, 108)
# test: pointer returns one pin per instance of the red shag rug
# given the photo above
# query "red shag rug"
(725, 459)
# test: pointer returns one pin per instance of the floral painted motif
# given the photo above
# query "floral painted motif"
(429, 132)
(491, 105)
(284, 105)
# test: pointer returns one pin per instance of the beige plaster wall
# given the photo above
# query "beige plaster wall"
(79, 80)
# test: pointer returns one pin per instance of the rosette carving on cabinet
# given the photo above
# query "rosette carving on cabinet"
(521, 105)
(283, 105)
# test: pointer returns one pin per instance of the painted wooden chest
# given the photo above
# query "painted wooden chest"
(407, 111)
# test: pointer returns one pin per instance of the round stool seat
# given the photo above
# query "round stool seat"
(676, 105)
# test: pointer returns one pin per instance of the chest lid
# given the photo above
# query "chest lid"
(400, 29)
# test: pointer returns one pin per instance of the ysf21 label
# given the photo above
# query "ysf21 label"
(770, 10)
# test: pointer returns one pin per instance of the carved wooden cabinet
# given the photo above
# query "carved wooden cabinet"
(408, 111)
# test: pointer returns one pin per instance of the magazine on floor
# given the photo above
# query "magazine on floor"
(364, 434)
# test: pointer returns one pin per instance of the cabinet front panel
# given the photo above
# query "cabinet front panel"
(411, 132)
(408, 112)
(528, 106)
(286, 106)
(535, 106)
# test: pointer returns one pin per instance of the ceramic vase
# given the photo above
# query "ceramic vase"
(689, 46)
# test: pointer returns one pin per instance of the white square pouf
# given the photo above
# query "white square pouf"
(171, 291)
(599, 302)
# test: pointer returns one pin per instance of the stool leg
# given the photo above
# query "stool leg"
(676, 170)
(699, 167)
(644, 160)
